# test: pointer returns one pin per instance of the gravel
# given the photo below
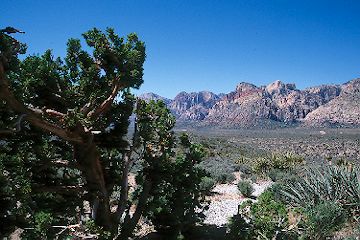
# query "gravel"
(225, 201)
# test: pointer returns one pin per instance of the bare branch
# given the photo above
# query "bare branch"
(18, 122)
(59, 189)
(54, 113)
(58, 163)
(106, 104)
(6, 132)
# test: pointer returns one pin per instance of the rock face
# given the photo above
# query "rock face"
(276, 103)
(155, 97)
(344, 110)
(193, 106)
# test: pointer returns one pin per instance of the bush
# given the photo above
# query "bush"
(281, 175)
(285, 162)
(268, 214)
(207, 184)
(221, 170)
(246, 171)
(43, 223)
(323, 219)
(262, 165)
(245, 188)
(265, 219)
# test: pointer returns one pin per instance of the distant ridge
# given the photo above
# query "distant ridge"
(275, 104)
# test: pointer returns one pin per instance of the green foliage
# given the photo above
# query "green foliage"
(323, 219)
(330, 183)
(221, 170)
(277, 175)
(207, 184)
(283, 162)
(245, 188)
(262, 165)
(268, 214)
(71, 142)
(93, 228)
(43, 223)
(265, 219)
(176, 197)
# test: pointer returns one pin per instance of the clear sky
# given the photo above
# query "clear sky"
(195, 45)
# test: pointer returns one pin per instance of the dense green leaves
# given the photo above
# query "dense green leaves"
(67, 153)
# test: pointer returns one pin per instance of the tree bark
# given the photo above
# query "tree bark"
(130, 223)
(88, 158)
(124, 191)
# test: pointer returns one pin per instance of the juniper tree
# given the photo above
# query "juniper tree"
(65, 141)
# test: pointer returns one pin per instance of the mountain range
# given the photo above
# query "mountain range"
(275, 104)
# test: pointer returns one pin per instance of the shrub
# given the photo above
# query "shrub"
(268, 214)
(265, 219)
(253, 178)
(245, 188)
(281, 175)
(221, 170)
(246, 171)
(323, 219)
(43, 223)
(92, 228)
(207, 184)
(262, 165)
(287, 161)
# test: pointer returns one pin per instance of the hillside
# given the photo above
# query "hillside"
(275, 104)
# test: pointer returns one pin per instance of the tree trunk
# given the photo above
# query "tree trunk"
(130, 223)
(124, 191)
(88, 157)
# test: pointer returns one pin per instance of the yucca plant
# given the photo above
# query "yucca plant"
(286, 161)
(338, 184)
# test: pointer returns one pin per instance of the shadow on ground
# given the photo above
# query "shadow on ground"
(204, 232)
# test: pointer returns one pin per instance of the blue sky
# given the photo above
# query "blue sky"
(195, 45)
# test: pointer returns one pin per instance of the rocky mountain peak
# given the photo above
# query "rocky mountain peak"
(152, 96)
(245, 87)
(352, 86)
(278, 87)
(278, 102)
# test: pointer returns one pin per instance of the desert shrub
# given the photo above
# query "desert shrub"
(262, 165)
(265, 219)
(276, 175)
(221, 170)
(323, 219)
(329, 183)
(269, 215)
(207, 184)
(253, 178)
(286, 161)
(280, 162)
(246, 171)
(178, 203)
(245, 188)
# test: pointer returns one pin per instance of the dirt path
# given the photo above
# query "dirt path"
(226, 198)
